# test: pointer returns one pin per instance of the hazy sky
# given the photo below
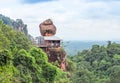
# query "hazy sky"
(74, 19)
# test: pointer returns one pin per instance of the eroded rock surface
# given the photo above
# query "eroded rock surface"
(47, 28)
(59, 55)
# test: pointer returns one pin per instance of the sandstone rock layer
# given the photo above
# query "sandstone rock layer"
(47, 28)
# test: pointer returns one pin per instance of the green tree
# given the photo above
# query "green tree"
(113, 49)
(7, 70)
(100, 63)
(84, 76)
(115, 77)
(116, 59)
(29, 71)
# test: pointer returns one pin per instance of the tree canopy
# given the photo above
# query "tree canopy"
(22, 62)
(100, 64)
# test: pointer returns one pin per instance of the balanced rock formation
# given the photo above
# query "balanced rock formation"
(51, 44)
(47, 28)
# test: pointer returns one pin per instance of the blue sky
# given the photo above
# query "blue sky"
(75, 20)
(100, 0)
(35, 1)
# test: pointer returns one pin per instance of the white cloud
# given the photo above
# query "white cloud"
(75, 20)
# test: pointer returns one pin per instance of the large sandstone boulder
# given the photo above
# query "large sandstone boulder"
(47, 28)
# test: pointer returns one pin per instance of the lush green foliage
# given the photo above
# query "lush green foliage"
(100, 64)
(21, 62)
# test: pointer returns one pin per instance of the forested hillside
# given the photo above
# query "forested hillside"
(100, 64)
(17, 24)
(22, 62)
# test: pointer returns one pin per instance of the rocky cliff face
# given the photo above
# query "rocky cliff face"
(59, 55)
(17, 24)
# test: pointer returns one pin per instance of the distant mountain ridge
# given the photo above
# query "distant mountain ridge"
(73, 47)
